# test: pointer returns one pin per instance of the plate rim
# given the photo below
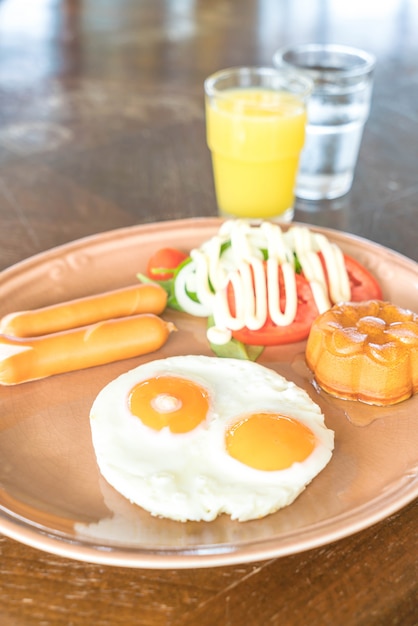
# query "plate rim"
(201, 557)
(188, 223)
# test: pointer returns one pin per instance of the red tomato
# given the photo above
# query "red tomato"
(272, 335)
(363, 287)
(164, 260)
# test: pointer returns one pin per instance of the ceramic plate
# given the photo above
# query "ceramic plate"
(52, 496)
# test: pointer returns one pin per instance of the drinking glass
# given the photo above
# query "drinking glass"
(255, 123)
(337, 112)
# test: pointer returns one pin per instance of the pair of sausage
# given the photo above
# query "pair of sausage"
(82, 333)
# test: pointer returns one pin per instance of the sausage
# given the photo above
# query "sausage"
(22, 360)
(141, 298)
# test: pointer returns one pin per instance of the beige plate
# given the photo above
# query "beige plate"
(51, 494)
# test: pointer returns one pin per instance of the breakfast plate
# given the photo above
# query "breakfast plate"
(52, 496)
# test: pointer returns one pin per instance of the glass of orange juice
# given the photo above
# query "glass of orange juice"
(255, 126)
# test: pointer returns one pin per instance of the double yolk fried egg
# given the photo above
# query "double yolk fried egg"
(191, 437)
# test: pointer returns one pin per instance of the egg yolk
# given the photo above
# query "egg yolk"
(269, 441)
(169, 401)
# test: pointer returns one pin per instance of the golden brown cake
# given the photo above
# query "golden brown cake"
(365, 351)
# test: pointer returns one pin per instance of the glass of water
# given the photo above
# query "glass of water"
(337, 112)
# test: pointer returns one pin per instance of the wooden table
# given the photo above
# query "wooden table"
(101, 127)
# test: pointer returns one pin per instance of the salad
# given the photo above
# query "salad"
(259, 286)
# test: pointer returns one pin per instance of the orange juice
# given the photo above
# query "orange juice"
(255, 135)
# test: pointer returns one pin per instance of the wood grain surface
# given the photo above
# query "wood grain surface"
(102, 126)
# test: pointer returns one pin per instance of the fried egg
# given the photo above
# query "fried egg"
(192, 437)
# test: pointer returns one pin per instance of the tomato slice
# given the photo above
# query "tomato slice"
(270, 334)
(363, 287)
(163, 261)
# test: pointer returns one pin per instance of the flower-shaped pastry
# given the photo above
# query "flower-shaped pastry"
(365, 351)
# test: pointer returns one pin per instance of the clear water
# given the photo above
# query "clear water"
(332, 144)
(328, 160)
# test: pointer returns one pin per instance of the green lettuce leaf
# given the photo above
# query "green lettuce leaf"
(167, 285)
(235, 349)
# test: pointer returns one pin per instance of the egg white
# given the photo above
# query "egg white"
(191, 476)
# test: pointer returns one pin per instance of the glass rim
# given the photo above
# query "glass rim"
(304, 83)
(367, 60)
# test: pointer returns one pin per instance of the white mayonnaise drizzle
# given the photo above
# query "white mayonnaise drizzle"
(256, 291)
